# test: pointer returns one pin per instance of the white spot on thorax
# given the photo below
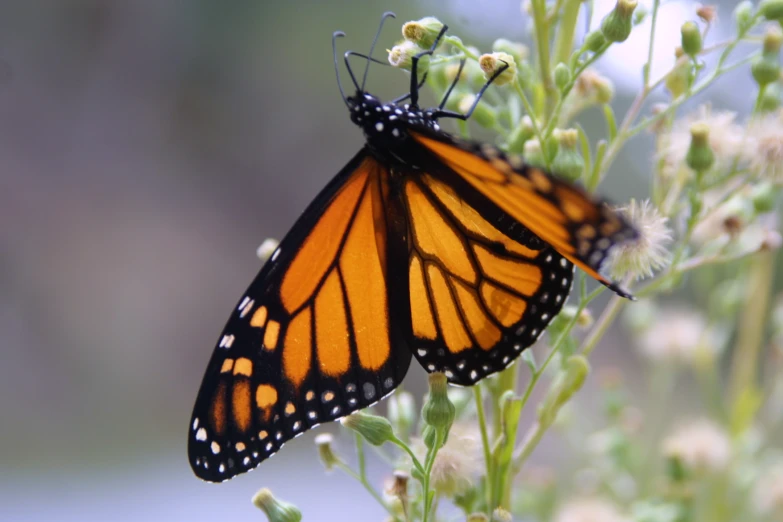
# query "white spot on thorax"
(379, 126)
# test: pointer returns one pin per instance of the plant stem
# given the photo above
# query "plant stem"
(602, 324)
(542, 45)
(752, 326)
(361, 476)
(484, 442)
(566, 29)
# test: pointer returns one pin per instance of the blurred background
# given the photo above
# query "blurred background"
(146, 149)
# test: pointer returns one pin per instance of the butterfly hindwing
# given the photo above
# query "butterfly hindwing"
(579, 227)
(477, 296)
(317, 335)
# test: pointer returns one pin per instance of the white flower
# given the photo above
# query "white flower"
(458, 462)
(768, 493)
(701, 446)
(725, 138)
(639, 258)
(590, 510)
(678, 335)
(764, 150)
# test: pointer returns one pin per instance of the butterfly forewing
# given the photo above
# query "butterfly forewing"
(562, 215)
(317, 335)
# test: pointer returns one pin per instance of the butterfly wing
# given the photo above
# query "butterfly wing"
(512, 194)
(478, 297)
(317, 334)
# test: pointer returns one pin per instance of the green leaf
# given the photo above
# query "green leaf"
(611, 122)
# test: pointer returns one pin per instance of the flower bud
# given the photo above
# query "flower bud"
(594, 41)
(567, 382)
(401, 55)
(616, 27)
(681, 77)
(483, 114)
(521, 133)
(700, 156)
(772, 9)
(562, 75)
(766, 68)
(492, 63)
(639, 15)
(770, 98)
(707, 13)
(533, 153)
(691, 39)
(568, 162)
(519, 51)
(477, 517)
(402, 413)
(438, 411)
(266, 249)
(276, 510)
(323, 441)
(763, 197)
(375, 429)
(422, 32)
(743, 16)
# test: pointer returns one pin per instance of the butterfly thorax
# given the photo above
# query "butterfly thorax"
(385, 125)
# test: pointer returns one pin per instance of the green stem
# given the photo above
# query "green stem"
(651, 44)
(484, 442)
(361, 476)
(429, 495)
(602, 324)
(564, 42)
(533, 118)
(752, 326)
(542, 46)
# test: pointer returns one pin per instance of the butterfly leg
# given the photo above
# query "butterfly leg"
(406, 96)
(440, 113)
(453, 84)
(414, 95)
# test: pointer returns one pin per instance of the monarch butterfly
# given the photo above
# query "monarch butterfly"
(424, 245)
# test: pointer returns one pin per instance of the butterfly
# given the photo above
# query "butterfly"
(424, 245)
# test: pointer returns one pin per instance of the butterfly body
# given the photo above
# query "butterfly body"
(423, 246)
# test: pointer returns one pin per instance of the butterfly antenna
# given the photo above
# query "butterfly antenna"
(453, 84)
(387, 14)
(360, 55)
(335, 36)
(350, 71)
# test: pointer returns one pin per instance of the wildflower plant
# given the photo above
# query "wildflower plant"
(708, 223)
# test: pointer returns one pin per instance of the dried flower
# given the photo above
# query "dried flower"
(590, 510)
(725, 138)
(768, 493)
(700, 446)
(458, 462)
(593, 87)
(641, 257)
(764, 152)
(708, 13)
(323, 441)
(678, 335)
